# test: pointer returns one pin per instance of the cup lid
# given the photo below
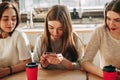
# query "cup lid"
(31, 65)
(109, 68)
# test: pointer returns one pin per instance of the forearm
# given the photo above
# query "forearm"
(69, 65)
(20, 67)
(13, 69)
(92, 68)
(4, 72)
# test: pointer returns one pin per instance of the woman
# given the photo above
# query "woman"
(14, 51)
(106, 39)
(58, 47)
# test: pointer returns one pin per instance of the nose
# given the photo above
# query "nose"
(112, 22)
(10, 22)
(55, 31)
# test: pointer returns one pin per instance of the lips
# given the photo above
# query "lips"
(56, 36)
(113, 29)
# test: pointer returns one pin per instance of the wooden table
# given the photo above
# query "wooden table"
(55, 75)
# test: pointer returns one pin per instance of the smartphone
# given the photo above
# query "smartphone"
(51, 53)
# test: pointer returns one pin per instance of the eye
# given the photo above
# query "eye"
(108, 18)
(5, 19)
(60, 29)
(50, 27)
(117, 20)
(14, 19)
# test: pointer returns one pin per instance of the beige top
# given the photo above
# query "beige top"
(108, 46)
(37, 51)
(14, 49)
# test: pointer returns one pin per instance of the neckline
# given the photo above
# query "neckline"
(110, 34)
(56, 45)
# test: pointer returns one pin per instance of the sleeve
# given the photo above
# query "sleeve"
(80, 49)
(23, 46)
(93, 46)
(37, 50)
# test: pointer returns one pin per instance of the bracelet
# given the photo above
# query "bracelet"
(10, 68)
(87, 76)
(76, 65)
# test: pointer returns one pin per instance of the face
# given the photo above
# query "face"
(8, 20)
(56, 30)
(113, 21)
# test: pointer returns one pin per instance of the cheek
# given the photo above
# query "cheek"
(14, 23)
(2, 25)
(118, 25)
(61, 33)
(50, 31)
(108, 22)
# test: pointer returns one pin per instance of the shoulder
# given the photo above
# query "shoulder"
(100, 33)
(39, 37)
(101, 28)
(75, 36)
(19, 34)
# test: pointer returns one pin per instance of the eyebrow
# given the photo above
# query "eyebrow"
(114, 18)
(117, 19)
(50, 25)
(8, 16)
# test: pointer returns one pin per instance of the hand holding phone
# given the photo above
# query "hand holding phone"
(44, 61)
(54, 58)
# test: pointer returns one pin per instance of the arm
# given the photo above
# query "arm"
(21, 66)
(88, 66)
(37, 50)
(24, 53)
(70, 65)
(78, 45)
(20, 53)
(14, 69)
(90, 53)
(57, 59)
(43, 61)
(37, 57)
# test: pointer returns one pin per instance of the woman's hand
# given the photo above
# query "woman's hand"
(54, 58)
(118, 77)
(44, 61)
(4, 72)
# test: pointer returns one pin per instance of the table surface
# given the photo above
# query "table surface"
(55, 75)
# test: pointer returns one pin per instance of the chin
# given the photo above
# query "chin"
(56, 39)
(9, 31)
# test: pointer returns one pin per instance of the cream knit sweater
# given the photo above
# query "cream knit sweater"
(108, 46)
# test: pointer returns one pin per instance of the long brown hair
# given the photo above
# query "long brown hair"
(114, 5)
(6, 5)
(60, 13)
